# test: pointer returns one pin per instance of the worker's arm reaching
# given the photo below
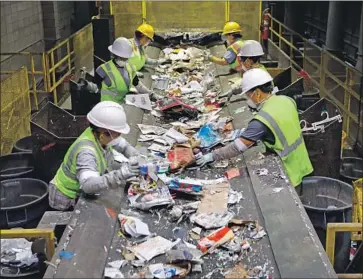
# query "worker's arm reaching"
(155, 62)
(228, 58)
(255, 131)
(92, 182)
(126, 148)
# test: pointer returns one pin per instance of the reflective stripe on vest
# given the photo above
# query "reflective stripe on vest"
(287, 149)
(66, 179)
(235, 47)
(138, 58)
(118, 89)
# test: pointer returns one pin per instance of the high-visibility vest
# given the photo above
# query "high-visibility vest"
(235, 47)
(66, 178)
(118, 89)
(280, 115)
(138, 58)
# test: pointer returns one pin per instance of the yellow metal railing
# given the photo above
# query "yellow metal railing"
(47, 234)
(357, 207)
(332, 229)
(58, 63)
(335, 79)
(15, 109)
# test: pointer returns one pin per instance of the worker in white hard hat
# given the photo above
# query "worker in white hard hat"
(85, 167)
(115, 77)
(144, 34)
(232, 33)
(249, 56)
(276, 124)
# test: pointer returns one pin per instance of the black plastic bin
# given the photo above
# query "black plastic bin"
(16, 165)
(283, 79)
(23, 202)
(324, 147)
(327, 200)
(351, 169)
(60, 129)
(30, 144)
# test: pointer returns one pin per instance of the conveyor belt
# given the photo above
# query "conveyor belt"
(291, 248)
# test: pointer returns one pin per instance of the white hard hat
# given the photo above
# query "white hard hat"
(121, 47)
(253, 78)
(251, 48)
(109, 115)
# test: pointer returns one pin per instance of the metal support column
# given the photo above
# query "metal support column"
(334, 33)
(359, 64)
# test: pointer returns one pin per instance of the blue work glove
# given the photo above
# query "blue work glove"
(205, 159)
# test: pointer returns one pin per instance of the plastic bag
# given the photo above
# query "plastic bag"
(208, 137)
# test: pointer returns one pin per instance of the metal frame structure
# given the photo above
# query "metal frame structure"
(47, 234)
(332, 229)
(320, 64)
(56, 64)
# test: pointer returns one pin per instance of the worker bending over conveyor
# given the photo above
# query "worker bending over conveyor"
(276, 123)
(232, 33)
(85, 167)
(249, 56)
(115, 77)
(144, 34)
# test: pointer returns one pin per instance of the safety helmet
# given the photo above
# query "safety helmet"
(251, 48)
(231, 27)
(121, 47)
(147, 30)
(253, 78)
(109, 115)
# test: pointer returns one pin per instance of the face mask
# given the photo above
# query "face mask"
(251, 104)
(114, 141)
(120, 63)
(244, 68)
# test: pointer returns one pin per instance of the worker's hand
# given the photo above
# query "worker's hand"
(139, 74)
(207, 57)
(205, 159)
(162, 61)
(92, 87)
(229, 94)
(130, 169)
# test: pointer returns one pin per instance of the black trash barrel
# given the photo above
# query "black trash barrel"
(351, 169)
(16, 165)
(327, 200)
(324, 146)
(29, 144)
(23, 202)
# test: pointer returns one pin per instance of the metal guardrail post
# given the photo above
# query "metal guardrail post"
(32, 69)
(322, 73)
(226, 12)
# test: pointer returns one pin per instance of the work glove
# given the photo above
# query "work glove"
(205, 159)
(139, 74)
(162, 61)
(229, 94)
(207, 57)
(130, 169)
(90, 86)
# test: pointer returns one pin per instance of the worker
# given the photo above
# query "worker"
(276, 124)
(144, 34)
(115, 77)
(232, 33)
(249, 56)
(84, 167)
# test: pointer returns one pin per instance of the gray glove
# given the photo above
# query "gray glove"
(205, 159)
(162, 61)
(130, 169)
(229, 94)
(207, 57)
(92, 87)
(139, 74)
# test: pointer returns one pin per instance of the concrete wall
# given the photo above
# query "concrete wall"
(21, 29)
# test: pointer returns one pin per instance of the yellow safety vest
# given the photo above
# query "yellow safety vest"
(138, 58)
(118, 89)
(280, 115)
(66, 178)
(235, 47)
